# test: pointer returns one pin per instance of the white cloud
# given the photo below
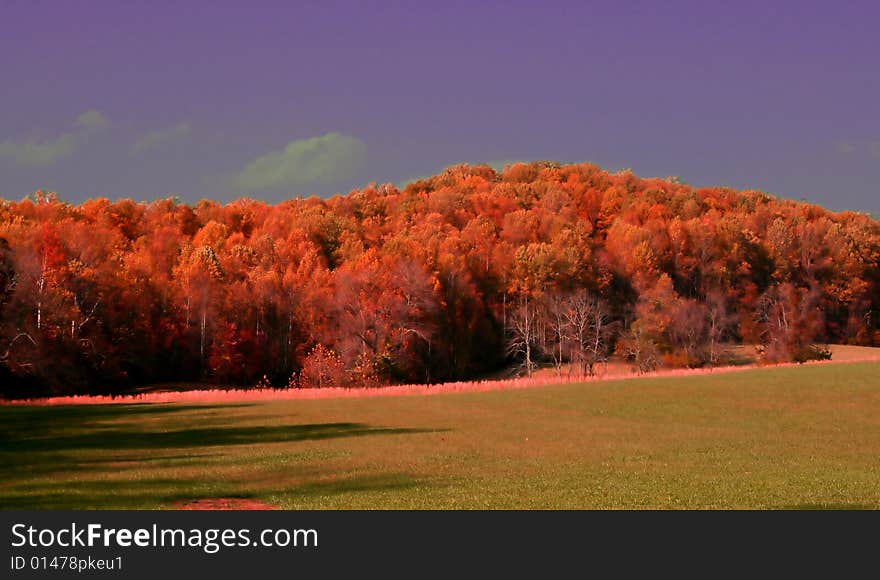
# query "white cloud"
(33, 153)
(92, 120)
(159, 137)
(852, 147)
(325, 159)
(38, 154)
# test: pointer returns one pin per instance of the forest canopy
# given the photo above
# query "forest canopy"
(452, 277)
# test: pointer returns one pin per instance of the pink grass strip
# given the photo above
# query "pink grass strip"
(244, 395)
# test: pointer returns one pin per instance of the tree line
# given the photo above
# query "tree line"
(452, 277)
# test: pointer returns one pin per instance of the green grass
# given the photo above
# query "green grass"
(795, 437)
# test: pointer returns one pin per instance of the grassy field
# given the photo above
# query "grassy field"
(794, 437)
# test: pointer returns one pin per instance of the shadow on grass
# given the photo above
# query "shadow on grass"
(172, 493)
(36, 440)
(118, 439)
(21, 422)
(55, 464)
(119, 427)
(57, 457)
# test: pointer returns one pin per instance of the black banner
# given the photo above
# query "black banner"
(241, 544)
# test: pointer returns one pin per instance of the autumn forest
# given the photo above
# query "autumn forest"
(456, 276)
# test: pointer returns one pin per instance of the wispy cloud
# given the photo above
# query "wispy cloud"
(325, 159)
(92, 120)
(38, 154)
(871, 147)
(34, 153)
(160, 137)
(844, 147)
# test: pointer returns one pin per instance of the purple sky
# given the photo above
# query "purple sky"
(219, 99)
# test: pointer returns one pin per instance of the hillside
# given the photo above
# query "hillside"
(453, 277)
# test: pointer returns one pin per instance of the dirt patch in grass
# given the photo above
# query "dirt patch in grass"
(223, 503)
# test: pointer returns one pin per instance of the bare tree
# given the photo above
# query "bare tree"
(589, 328)
(637, 346)
(718, 324)
(522, 327)
(556, 312)
(578, 328)
(687, 332)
